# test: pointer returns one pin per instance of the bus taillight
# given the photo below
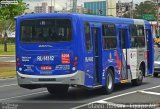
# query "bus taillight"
(145, 54)
(18, 64)
(75, 58)
(75, 61)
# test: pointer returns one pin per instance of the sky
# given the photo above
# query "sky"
(62, 3)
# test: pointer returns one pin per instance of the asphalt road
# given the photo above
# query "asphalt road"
(12, 95)
(7, 58)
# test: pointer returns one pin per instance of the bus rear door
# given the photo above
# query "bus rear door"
(123, 45)
(97, 48)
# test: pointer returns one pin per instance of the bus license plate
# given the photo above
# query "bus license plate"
(46, 67)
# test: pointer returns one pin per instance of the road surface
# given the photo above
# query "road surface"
(78, 98)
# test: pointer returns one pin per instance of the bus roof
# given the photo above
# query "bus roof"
(85, 17)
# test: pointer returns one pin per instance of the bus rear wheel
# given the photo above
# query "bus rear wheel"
(109, 82)
(139, 80)
(58, 89)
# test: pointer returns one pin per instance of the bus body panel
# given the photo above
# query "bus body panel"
(150, 48)
(132, 61)
(50, 63)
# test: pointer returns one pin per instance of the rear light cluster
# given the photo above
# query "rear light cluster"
(46, 67)
(75, 61)
(18, 62)
(145, 54)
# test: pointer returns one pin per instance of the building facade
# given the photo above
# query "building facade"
(122, 8)
(111, 10)
(41, 9)
(51, 9)
(96, 8)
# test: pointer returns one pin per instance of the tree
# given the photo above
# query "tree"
(147, 7)
(8, 12)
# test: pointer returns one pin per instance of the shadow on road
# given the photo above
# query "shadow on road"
(80, 94)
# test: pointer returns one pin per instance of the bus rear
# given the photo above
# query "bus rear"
(45, 53)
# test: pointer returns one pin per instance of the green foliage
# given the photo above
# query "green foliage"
(146, 7)
(9, 40)
(11, 49)
(10, 11)
(7, 14)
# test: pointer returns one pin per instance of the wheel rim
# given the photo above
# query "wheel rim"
(140, 77)
(109, 81)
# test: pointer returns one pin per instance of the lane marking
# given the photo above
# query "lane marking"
(116, 96)
(22, 95)
(8, 85)
(148, 92)
(77, 107)
(151, 88)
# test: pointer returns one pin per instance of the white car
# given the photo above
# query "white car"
(157, 66)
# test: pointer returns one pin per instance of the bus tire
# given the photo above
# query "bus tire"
(58, 89)
(109, 82)
(155, 74)
(139, 80)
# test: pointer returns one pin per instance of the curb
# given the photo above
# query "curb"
(7, 55)
(10, 77)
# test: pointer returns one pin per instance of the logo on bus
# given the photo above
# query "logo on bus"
(88, 59)
(65, 59)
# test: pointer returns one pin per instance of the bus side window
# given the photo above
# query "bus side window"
(109, 36)
(133, 36)
(87, 36)
(141, 37)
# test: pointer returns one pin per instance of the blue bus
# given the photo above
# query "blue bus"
(60, 50)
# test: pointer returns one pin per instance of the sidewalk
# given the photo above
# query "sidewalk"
(7, 55)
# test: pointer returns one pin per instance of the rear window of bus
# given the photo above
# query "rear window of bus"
(46, 30)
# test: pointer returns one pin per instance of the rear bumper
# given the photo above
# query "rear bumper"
(76, 78)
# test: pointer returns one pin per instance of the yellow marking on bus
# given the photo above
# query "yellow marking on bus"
(124, 81)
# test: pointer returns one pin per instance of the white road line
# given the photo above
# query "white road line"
(148, 92)
(105, 99)
(151, 88)
(22, 96)
(8, 85)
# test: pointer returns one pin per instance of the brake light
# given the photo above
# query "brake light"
(145, 54)
(75, 63)
(18, 64)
